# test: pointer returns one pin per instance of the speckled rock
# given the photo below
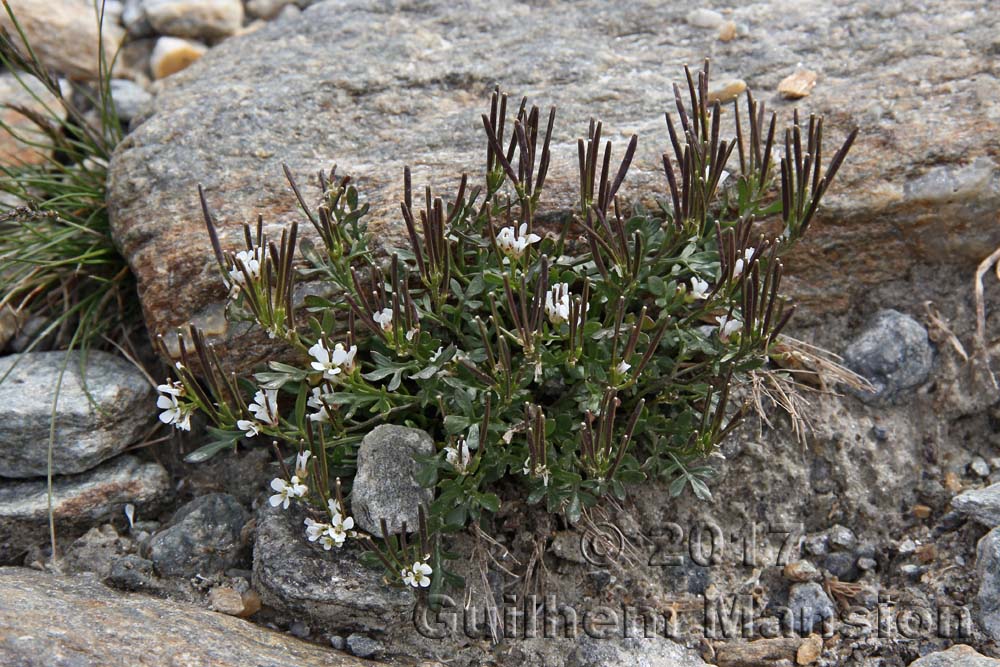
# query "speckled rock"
(893, 353)
(988, 597)
(385, 486)
(78, 501)
(203, 538)
(86, 433)
(13, 93)
(983, 505)
(959, 655)
(47, 620)
(411, 80)
(330, 589)
(644, 652)
(63, 34)
(196, 19)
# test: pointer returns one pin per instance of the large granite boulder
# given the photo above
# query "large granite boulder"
(47, 620)
(374, 87)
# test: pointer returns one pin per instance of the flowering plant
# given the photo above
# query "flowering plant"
(576, 359)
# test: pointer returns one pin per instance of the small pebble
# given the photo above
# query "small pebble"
(921, 511)
(880, 433)
(907, 547)
(704, 18)
(362, 646)
(980, 467)
(797, 85)
(226, 600)
(817, 545)
(952, 482)
(867, 564)
(338, 642)
(727, 32)
(801, 570)
(912, 571)
(172, 54)
(299, 629)
(842, 537)
(726, 92)
(809, 650)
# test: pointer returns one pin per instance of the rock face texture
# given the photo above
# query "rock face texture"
(956, 656)
(78, 501)
(411, 80)
(203, 538)
(385, 486)
(47, 620)
(63, 34)
(330, 589)
(99, 414)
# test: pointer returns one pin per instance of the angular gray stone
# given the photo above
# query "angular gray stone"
(411, 80)
(203, 538)
(810, 607)
(130, 99)
(385, 486)
(195, 19)
(77, 622)
(86, 434)
(893, 353)
(331, 589)
(363, 646)
(634, 652)
(959, 655)
(988, 597)
(983, 505)
(78, 501)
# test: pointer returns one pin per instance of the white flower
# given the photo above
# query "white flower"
(728, 326)
(286, 491)
(412, 333)
(316, 401)
(722, 177)
(437, 354)
(314, 529)
(332, 363)
(418, 575)
(458, 456)
(513, 243)
(248, 426)
(557, 303)
(302, 464)
(623, 367)
(250, 259)
(539, 471)
(265, 406)
(384, 318)
(742, 262)
(173, 412)
(699, 288)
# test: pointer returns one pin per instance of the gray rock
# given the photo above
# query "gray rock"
(384, 487)
(130, 99)
(78, 501)
(983, 505)
(363, 646)
(988, 597)
(267, 9)
(63, 35)
(86, 434)
(203, 538)
(132, 573)
(980, 467)
(842, 565)
(959, 655)
(704, 18)
(77, 622)
(331, 589)
(195, 19)
(633, 652)
(810, 607)
(893, 353)
(412, 79)
(842, 537)
(96, 551)
(134, 19)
